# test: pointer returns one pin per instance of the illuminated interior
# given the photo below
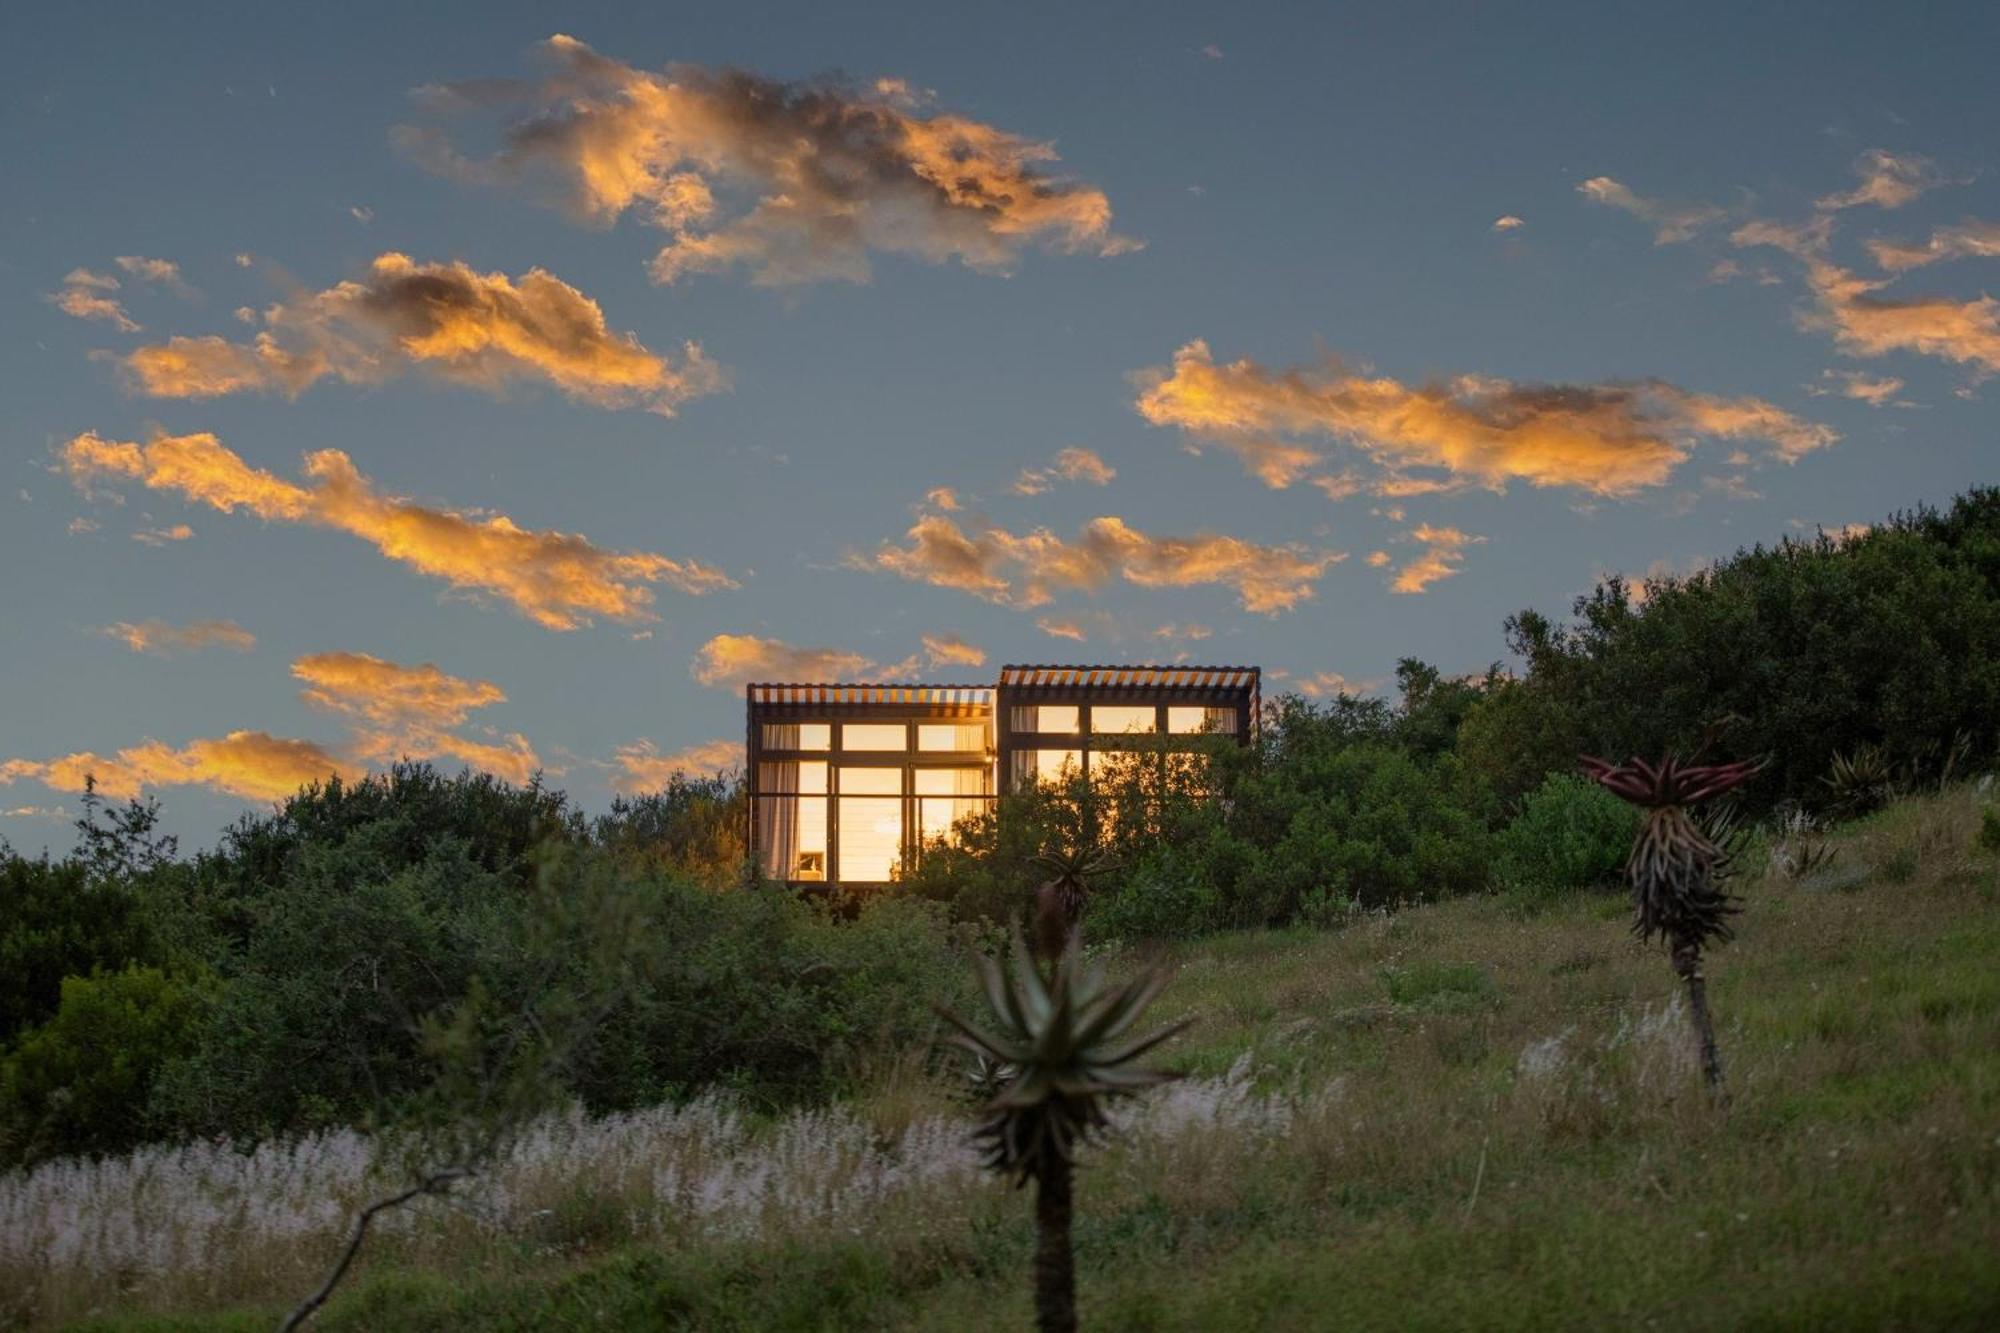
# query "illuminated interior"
(849, 783)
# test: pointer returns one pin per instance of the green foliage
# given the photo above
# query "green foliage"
(1571, 834)
(1989, 829)
(56, 921)
(694, 826)
(81, 1083)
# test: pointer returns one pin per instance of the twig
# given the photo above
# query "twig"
(1478, 1177)
(438, 1182)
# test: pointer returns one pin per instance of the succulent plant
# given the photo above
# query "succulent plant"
(1068, 1039)
(1679, 870)
(1060, 899)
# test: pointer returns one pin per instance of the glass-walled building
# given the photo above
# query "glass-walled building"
(848, 782)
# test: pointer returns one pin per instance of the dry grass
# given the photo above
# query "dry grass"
(1454, 1116)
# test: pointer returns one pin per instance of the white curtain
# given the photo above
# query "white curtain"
(778, 816)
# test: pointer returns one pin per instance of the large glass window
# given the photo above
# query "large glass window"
(947, 795)
(1046, 766)
(1120, 719)
(791, 819)
(964, 737)
(1051, 719)
(1193, 721)
(874, 736)
(798, 736)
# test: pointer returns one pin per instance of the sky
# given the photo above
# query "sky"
(506, 384)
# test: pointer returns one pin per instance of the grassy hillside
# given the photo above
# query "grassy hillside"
(1456, 1115)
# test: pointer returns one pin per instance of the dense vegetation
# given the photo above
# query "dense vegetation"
(283, 980)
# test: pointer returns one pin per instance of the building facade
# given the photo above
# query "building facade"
(848, 782)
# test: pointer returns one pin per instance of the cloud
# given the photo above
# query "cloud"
(1887, 181)
(165, 272)
(250, 764)
(557, 579)
(828, 172)
(1379, 559)
(1613, 438)
(1443, 558)
(952, 650)
(82, 297)
(1971, 239)
(1069, 465)
(942, 497)
(177, 532)
(1329, 684)
(1189, 631)
(1856, 384)
(729, 660)
(645, 769)
(1021, 570)
(483, 330)
(1060, 629)
(36, 812)
(1671, 223)
(1508, 222)
(403, 712)
(164, 640)
(1867, 325)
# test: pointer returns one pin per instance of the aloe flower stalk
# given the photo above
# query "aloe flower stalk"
(1679, 873)
(1066, 1038)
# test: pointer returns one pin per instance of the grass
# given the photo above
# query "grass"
(1453, 1116)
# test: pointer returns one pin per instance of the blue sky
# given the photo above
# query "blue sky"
(1315, 190)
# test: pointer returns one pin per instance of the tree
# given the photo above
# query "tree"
(1066, 1038)
(1679, 873)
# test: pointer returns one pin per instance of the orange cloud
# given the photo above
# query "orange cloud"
(1188, 631)
(1443, 558)
(177, 532)
(1865, 324)
(835, 171)
(163, 271)
(484, 330)
(82, 297)
(559, 580)
(1971, 239)
(952, 650)
(1876, 392)
(1069, 465)
(163, 640)
(1060, 629)
(249, 764)
(1887, 181)
(1020, 570)
(404, 712)
(1671, 222)
(644, 769)
(1610, 439)
(734, 659)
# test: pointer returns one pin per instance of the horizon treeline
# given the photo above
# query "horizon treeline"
(279, 982)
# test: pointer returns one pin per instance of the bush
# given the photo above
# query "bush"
(1168, 898)
(82, 1082)
(1571, 834)
(55, 922)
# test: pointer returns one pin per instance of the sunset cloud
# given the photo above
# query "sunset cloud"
(730, 660)
(483, 330)
(249, 764)
(1887, 181)
(164, 272)
(1021, 570)
(1972, 239)
(163, 536)
(1865, 324)
(825, 172)
(1671, 223)
(1443, 557)
(1060, 629)
(1069, 465)
(942, 650)
(1508, 222)
(161, 639)
(642, 768)
(558, 580)
(1872, 390)
(403, 712)
(82, 296)
(1613, 438)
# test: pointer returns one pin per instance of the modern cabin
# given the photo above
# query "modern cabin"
(848, 782)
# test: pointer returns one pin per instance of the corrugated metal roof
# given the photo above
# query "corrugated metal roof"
(927, 696)
(1131, 677)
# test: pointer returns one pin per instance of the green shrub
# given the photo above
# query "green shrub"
(1571, 834)
(1167, 899)
(1989, 829)
(82, 1082)
(55, 922)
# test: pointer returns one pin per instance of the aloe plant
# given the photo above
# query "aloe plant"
(1679, 872)
(1066, 1039)
(1060, 899)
